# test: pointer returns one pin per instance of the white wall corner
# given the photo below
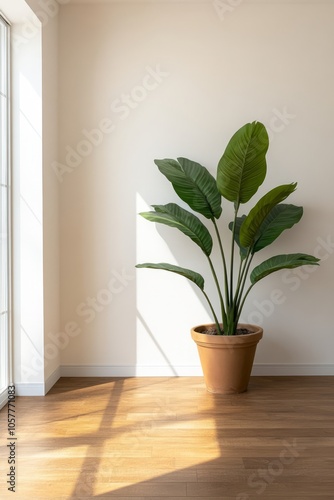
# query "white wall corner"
(52, 379)
(38, 389)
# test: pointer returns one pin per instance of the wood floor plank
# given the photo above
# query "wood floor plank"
(168, 439)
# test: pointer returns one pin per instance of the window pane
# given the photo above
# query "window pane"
(3, 288)
(4, 230)
(3, 58)
(3, 140)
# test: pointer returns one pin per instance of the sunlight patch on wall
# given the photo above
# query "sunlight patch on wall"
(161, 297)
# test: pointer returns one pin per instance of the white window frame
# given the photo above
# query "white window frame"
(6, 343)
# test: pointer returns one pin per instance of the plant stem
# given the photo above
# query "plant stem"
(233, 312)
(219, 331)
(243, 301)
(227, 300)
(242, 270)
(219, 292)
(240, 301)
(232, 254)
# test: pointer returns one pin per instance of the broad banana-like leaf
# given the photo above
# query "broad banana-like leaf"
(261, 210)
(242, 168)
(194, 185)
(187, 273)
(238, 223)
(280, 218)
(279, 262)
(174, 216)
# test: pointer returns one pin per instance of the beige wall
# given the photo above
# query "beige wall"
(152, 80)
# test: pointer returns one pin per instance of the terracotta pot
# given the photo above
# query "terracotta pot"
(226, 360)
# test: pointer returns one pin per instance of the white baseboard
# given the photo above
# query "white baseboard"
(281, 369)
(41, 389)
(30, 389)
(38, 388)
(129, 371)
(191, 371)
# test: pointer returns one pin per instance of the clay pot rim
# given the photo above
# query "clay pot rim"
(226, 340)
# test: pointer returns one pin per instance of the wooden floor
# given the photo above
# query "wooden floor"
(167, 438)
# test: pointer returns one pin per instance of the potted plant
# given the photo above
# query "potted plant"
(227, 348)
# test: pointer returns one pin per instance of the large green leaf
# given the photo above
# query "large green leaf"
(258, 214)
(281, 217)
(187, 273)
(242, 168)
(238, 224)
(279, 262)
(194, 185)
(174, 216)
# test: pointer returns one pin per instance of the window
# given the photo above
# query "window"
(4, 209)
